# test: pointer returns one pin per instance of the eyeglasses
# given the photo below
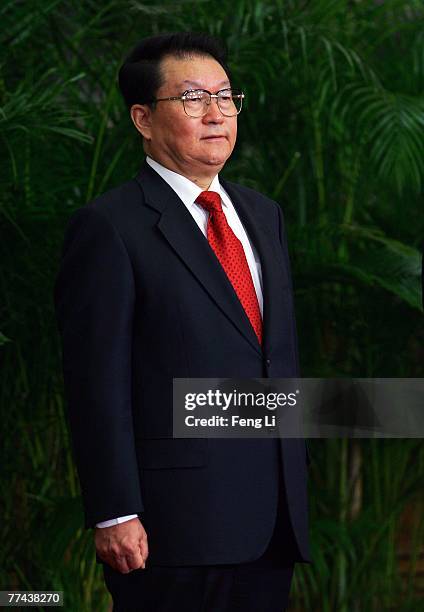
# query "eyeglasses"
(196, 101)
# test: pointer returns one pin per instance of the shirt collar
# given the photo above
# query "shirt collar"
(185, 189)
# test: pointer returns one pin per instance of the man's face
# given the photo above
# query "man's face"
(187, 144)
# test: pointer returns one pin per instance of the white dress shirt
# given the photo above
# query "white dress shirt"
(188, 192)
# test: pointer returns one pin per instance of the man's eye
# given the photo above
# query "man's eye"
(194, 96)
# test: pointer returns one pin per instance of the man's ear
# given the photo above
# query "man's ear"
(141, 116)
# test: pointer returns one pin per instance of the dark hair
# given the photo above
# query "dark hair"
(140, 76)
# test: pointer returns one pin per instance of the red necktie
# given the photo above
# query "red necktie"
(230, 253)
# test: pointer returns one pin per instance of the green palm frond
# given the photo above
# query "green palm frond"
(374, 260)
(20, 21)
(39, 108)
(388, 263)
(391, 125)
(4, 339)
(418, 56)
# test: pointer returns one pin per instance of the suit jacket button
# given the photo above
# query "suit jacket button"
(268, 362)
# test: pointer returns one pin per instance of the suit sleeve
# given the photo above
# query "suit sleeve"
(283, 242)
(94, 301)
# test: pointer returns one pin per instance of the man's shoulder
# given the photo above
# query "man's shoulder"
(117, 198)
(114, 208)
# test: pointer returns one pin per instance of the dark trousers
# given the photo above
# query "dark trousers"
(262, 585)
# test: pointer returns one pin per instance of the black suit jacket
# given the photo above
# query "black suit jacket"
(140, 299)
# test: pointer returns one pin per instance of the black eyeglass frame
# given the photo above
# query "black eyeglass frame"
(239, 95)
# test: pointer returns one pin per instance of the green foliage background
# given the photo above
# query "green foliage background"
(333, 130)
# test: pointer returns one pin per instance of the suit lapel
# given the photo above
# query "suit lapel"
(274, 271)
(182, 233)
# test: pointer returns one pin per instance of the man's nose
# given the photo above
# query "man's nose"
(213, 113)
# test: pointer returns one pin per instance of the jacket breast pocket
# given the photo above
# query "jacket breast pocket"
(162, 453)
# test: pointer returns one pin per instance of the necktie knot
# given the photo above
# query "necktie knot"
(210, 200)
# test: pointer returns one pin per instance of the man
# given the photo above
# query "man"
(178, 273)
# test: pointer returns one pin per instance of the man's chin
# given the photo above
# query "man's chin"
(215, 160)
(218, 164)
